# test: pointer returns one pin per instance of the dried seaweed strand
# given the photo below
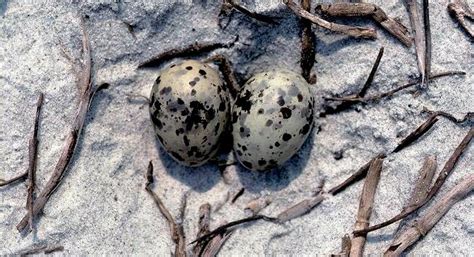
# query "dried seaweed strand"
(445, 172)
(434, 214)
(176, 231)
(85, 87)
(421, 188)
(237, 195)
(427, 26)
(32, 156)
(357, 32)
(395, 90)
(413, 136)
(203, 225)
(308, 51)
(415, 22)
(225, 67)
(365, 206)
(459, 10)
(365, 9)
(18, 178)
(190, 50)
(347, 104)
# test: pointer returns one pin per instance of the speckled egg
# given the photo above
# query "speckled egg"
(189, 108)
(271, 118)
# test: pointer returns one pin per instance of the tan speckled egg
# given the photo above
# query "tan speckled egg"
(189, 108)
(271, 118)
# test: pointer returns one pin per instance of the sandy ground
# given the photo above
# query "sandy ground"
(101, 207)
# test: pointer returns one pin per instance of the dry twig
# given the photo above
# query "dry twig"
(190, 50)
(413, 136)
(418, 36)
(432, 215)
(364, 9)
(459, 10)
(468, 116)
(176, 230)
(32, 156)
(308, 51)
(300, 208)
(229, 5)
(357, 32)
(427, 26)
(225, 66)
(445, 172)
(345, 247)
(18, 178)
(85, 87)
(380, 96)
(203, 224)
(365, 206)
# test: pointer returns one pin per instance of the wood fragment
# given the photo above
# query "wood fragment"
(413, 136)
(357, 32)
(229, 5)
(300, 209)
(13, 180)
(180, 249)
(371, 10)
(308, 51)
(225, 67)
(358, 175)
(380, 96)
(431, 216)
(256, 205)
(187, 51)
(85, 87)
(32, 156)
(216, 243)
(365, 206)
(418, 35)
(421, 188)
(345, 247)
(427, 27)
(347, 104)
(445, 172)
(459, 10)
(176, 230)
(203, 226)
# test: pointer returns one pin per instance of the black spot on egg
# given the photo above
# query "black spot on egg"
(300, 97)
(202, 72)
(305, 129)
(280, 101)
(243, 101)
(192, 83)
(222, 106)
(185, 112)
(180, 101)
(239, 152)
(177, 156)
(269, 123)
(157, 105)
(244, 148)
(189, 68)
(179, 131)
(247, 164)
(286, 137)
(286, 112)
(216, 128)
(186, 140)
(262, 162)
(193, 92)
(260, 111)
(157, 122)
(165, 91)
(158, 80)
(277, 144)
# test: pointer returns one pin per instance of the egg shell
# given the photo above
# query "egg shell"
(189, 108)
(271, 118)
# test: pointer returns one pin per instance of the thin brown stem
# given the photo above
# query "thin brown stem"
(86, 93)
(419, 36)
(13, 180)
(225, 66)
(431, 216)
(254, 15)
(364, 9)
(308, 51)
(417, 133)
(427, 26)
(468, 116)
(357, 32)
(365, 206)
(32, 156)
(445, 172)
(187, 51)
(203, 225)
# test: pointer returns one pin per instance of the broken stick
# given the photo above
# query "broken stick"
(18, 178)
(86, 93)
(418, 35)
(365, 206)
(459, 10)
(432, 215)
(308, 52)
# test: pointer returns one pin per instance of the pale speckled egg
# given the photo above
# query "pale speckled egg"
(271, 118)
(189, 108)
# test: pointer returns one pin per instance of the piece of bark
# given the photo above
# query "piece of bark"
(32, 156)
(417, 133)
(176, 230)
(255, 206)
(371, 10)
(445, 172)
(187, 51)
(418, 36)
(300, 208)
(357, 32)
(18, 178)
(203, 226)
(459, 10)
(421, 188)
(365, 206)
(431, 216)
(427, 27)
(358, 175)
(380, 96)
(308, 51)
(86, 92)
